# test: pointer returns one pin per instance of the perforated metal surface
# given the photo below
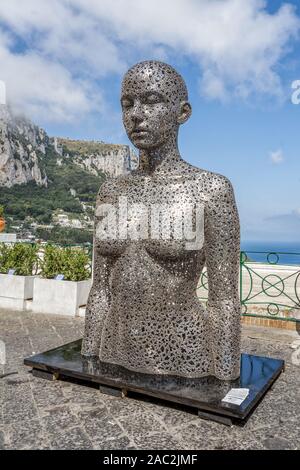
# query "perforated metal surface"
(143, 312)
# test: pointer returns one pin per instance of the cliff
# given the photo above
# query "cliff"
(22, 147)
(98, 157)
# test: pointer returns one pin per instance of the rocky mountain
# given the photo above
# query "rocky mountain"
(98, 157)
(22, 145)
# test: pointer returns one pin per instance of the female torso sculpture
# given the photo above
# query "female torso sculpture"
(143, 312)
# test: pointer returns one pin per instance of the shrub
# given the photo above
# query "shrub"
(73, 263)
(21, 257)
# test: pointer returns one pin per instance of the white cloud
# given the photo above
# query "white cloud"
(293, 216)
(277, 157)
(285, 227)
(237, 44)
(69, 45)
(41, 88)
(54, 77)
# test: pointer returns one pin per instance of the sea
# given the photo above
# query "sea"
(264, 251)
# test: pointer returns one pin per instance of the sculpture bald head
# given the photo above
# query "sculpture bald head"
(154, 102)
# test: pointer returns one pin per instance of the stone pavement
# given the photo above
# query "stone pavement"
(37, 414)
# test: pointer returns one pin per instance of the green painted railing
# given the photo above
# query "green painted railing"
(269, 287)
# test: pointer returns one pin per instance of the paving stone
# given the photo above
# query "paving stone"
(74, 438)
(81, 395)
(284, 438)
(59, 418)
(120, 443)
(157, 441)
(2, 439)
(47, 394)
(139, 423)
(97, 422)
(278, 443)
(174, 418)
(27, 434)
(199, 435)
(19, 404)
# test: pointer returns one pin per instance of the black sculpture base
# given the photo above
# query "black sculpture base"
(205, 394)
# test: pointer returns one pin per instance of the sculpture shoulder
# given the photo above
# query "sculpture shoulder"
(214, 183)
(111, 186)
(207, 181)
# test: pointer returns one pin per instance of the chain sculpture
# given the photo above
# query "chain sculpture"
(155, 229)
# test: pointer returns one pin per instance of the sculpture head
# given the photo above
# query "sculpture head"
(154, 101)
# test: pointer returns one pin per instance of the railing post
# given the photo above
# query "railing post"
(241, 277)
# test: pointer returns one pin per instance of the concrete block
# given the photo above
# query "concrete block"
(59, 297)
(15, 291)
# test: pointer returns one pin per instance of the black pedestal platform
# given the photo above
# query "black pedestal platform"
(205, 394)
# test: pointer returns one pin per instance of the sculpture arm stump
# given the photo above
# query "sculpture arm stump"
(222, 249)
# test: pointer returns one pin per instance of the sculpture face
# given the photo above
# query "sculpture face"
(153, 99)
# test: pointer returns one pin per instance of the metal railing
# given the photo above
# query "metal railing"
(269, 285)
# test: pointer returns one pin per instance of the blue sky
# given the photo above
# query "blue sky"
(62, 62)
